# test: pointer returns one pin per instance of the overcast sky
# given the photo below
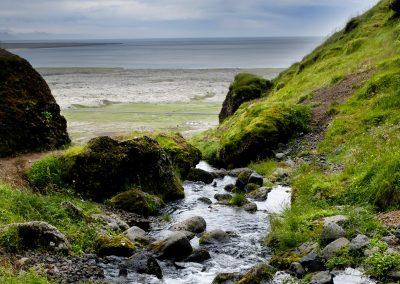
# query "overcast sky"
(178, 18)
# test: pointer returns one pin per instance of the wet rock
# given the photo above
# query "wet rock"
(227, 278)
(220, 173)
(136, 234)
(37, 235)
(112, 222)
(257, 179)
(205, 200)
(332, 231)
(30, 116)
(243, 180)
(260, 194)
(394, 276)
(323, 277)
(260, 273)
(138, 202)
(334, 247)
(312, 262)
(175, 247)
(280, 156)
(214, 237)
(250, 207)
(73, 210)
(114, 245)
(222, 196)
(143, 263)
(200, 175)
(188, 235)
(297, 269)
(251, 187)
(229, 187)
(238, 171)
(199, 256)
(360, 242)
(194, 224)
(391, 240)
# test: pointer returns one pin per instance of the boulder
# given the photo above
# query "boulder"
(229, 187)
(143, 263)
(175, 247)
(188, 235)
(200, 175)
(332, 231)
(107, 167)
(323, 277)
(30, 117)
(251, 187)
(214, 237)
(114, 245)
(227, 278)
(335, 247)
(199, 256)
(223, 196)
(297, 269)
(395, 6)
(112, 222)
(257, 179)
(250, 207)
(137, 201)
(136, 234)
(260, 194)
(236, 172)
(194, 224)
(73, 210)
(307, 247)
(242, 180)
(36, 235)
(205, 200)
(245, 87)
(337, 219)
(220, 173)
(312, 262)
(261, 273)
(360, 242)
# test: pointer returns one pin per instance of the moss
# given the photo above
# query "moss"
(259, 274)
(114, 245)
(239, 199)
(138, 202)
(251, 187)
(381, 264)
(283, 260)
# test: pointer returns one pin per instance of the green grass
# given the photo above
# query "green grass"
(239, 199)
(20, 205)
(265, 167)
(9, 276)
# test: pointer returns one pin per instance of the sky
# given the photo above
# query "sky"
(115, 19)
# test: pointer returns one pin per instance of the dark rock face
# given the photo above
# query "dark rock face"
(117, 245)
(143, 263)
(246, 87)
(312, 262)
(138, 202)
(199, 256)
(175, 247)
(261, 273)
(227, 278)
(194, 224)
(30, 118)
(395, 6)
(200, 175)
(108, 167)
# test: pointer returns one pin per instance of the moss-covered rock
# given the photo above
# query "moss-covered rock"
(107, 167)
(30, 118)
(244, 88)
(138, 202)
(114, 245)
(200, 175)
(261, 273)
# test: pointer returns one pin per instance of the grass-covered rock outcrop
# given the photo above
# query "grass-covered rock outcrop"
(30, 118)
(245, 87)
(106, 167)
(252, 133)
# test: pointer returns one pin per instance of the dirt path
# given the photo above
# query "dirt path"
(12, 170)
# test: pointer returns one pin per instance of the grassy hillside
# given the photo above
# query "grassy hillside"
(352, 85)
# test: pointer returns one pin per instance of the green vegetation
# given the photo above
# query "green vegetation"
(380, 264)
(239, 199)
(9, 276)
(19, 205)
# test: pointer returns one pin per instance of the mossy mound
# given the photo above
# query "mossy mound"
(30, 118)
(245, 87)
(114, 245)
(252, 133)
(261, 273)
(137, 201)
(106, 167)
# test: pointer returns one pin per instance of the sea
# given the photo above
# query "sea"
(97, 72)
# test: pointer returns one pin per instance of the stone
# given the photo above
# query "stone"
(114, 245)
(360, 242)
(111, 221)
(222, 196)
(280, 156)
(200, 175)
(260, 194)
(391, 240)
(73, 210)
(188, 235)
(214, 237)
(312, 262)
(136, 234)
(199, 256)
(227, 278)
(332, 231)
(335, 247)
(143, 263)
(251, 187)
(30, 116)
(175, 247)
(307, 247)
(256, 179)
(297, 269)
(323, 277)
(394, 275)
(220, 173)
(250, 207)
(194, 224)
(243, 180)
(260, 273)
(236, 172)
(37, 235)
(229, 187)
(205, 200)
(338, 219)
(137, 201)
(371, 251)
